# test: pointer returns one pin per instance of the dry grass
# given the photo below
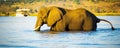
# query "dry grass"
(96, 8)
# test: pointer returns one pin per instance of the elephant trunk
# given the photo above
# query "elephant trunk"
(109, 23)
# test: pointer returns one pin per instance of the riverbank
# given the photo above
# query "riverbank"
(97, 14)
(107, 14)
(99, 8)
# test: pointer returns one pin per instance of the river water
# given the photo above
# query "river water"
(17, 32)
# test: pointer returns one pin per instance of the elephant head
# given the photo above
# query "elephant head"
(49, 16)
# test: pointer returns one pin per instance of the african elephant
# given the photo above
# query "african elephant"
(60, 19)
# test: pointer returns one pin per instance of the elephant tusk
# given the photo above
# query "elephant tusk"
(37, 28)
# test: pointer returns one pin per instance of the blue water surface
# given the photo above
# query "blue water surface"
(17, 32)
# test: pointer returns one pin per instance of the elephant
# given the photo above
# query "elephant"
(60, 19)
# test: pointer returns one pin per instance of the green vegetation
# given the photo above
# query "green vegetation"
(98, 7)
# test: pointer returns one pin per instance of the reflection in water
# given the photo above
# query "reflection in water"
(18, 32)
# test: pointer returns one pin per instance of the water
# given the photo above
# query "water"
(17, 32)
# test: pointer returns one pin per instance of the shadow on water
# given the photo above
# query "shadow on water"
(57, 32)
(100, 32)
(48, 31)
(99, 29)
(108, 29)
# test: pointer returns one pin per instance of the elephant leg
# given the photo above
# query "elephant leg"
(94, 26)
(87, 25)
(59, 26)
(52, 28)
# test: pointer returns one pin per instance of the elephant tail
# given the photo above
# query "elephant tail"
(109, 23)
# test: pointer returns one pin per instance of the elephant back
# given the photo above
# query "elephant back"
(94, 18)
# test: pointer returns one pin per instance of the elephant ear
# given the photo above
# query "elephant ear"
(53, 16)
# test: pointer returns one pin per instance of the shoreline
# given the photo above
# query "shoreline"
(96, 14)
